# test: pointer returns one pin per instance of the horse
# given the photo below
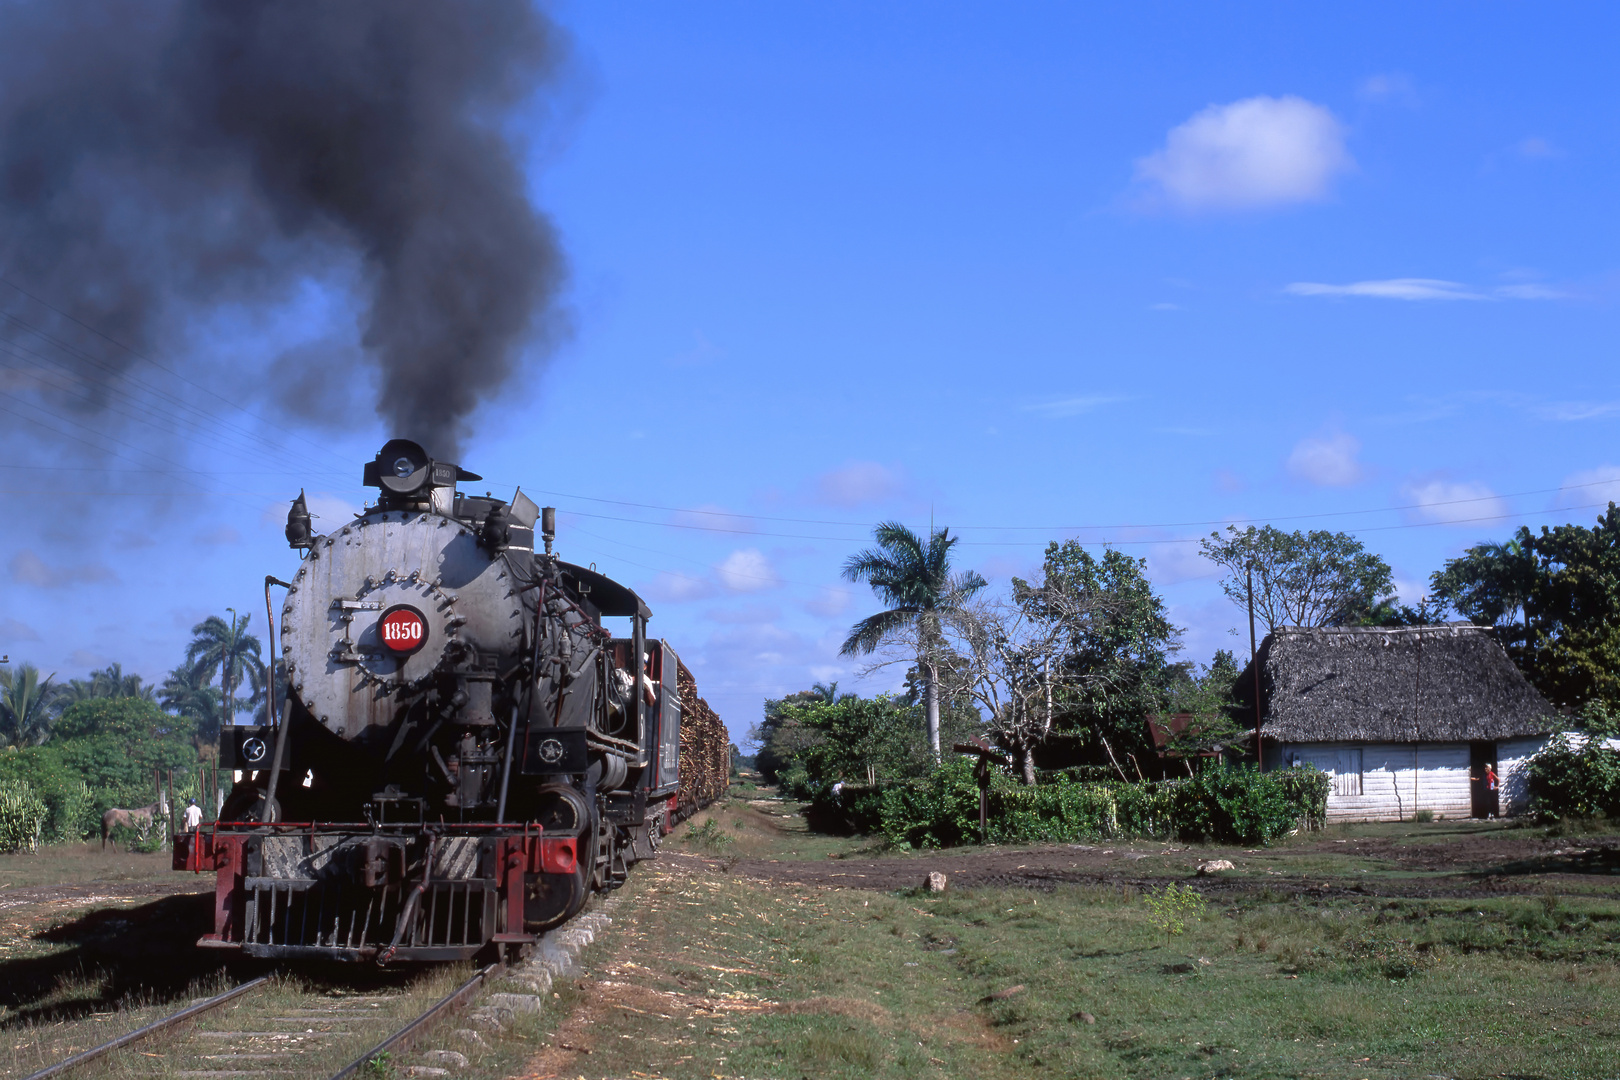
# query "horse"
(139, 819)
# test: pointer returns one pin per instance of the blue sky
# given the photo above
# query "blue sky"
(1028, 271)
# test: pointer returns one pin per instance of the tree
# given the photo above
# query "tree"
(224, 647)
(1118, 640)
(117, 743)
(1207, 699)
(1488, 585)
(858, 740)
(1015, 669)
(1572, 612)
(25, 706)
(914, 579)
(778, 735)
(188, 694)
(1301, 579)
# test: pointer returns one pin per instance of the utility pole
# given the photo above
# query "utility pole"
(1254, 666)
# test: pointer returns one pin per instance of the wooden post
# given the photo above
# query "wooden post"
(169, 828)
(1254, 665)
(982, 774)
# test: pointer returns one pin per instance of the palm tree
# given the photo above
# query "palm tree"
(224, 646)
(111, 682)
(187, 693)
(73, 692)
(828, 692)
(914, 579)
(25, 705)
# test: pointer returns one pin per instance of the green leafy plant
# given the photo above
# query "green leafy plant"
(1246, 806)
(709, 836)
(1571, 782)
(22, 817)
(1173, 907)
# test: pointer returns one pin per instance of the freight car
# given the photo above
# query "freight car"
(463, 750)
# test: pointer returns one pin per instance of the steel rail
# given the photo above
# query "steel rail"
(150, 1029)
(402, 1038)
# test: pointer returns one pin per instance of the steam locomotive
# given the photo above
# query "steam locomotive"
(463, 751)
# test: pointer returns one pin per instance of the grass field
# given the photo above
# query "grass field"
(715, 969)
(1447, 949)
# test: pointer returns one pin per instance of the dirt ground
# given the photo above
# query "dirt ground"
(1465, 863)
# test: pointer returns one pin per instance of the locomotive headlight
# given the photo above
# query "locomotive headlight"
(403, 467)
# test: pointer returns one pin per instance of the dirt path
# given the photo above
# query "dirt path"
(1459, 866)
(97, 892)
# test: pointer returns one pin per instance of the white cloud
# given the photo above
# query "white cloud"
(858, 483)
(1387, 86)
(1329, 461)
(1390, 289)
(1599, 485)
(1422, 289)
(1410, 592)
(1453, 501)
(830, 601)
(1261, 151)
(672, 588)
(29, 569)
(747, 570)
(1567, 411)
(1169, 564)
(1530, 292)
(1073, 406)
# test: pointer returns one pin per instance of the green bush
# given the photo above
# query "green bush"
(1246, 806)
(22, 817)
(73, 812)
(942, 809)
(1566, 782)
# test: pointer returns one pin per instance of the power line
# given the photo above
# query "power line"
(1039, 528)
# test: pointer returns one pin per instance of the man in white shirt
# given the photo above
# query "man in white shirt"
(193, 816)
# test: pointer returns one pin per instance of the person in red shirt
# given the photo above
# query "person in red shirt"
(1490, 778)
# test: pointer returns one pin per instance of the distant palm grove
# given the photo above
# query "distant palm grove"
(73, 749)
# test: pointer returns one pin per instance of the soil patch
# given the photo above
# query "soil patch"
(1459, 865)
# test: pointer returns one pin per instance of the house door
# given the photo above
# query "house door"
(1482, 757)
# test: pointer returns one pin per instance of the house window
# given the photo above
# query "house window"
(1347, 772)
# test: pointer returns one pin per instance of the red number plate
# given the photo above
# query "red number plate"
(402, 629)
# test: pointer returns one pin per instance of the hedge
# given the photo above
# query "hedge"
(942, 810)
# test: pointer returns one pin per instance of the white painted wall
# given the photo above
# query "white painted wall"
(1512, 771)
(1397, 779)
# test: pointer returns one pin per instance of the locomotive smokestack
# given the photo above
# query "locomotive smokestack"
(548, 525)
(159, 158)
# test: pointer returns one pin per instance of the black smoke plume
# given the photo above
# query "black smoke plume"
(159, 158)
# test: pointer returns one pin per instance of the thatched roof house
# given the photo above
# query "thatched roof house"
(1413, 684)
(1419, 711)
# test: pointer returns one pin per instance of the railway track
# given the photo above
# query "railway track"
(260, 1029)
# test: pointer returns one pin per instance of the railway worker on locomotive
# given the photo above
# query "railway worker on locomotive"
(461, 751)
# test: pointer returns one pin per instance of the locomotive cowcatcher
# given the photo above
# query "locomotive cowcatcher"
(462, 751)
